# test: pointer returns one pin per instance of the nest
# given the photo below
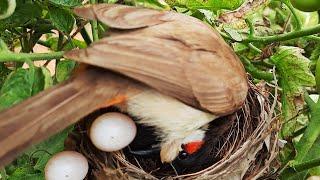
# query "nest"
(244, 147)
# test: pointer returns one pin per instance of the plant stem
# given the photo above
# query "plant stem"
(94, 26)
(317, 75)
(253, 47)
(311, 133)
(286, 36)
(85, 36)
(251, 27)
(307, 165)
(22, 57)
(281, 37)
(44, 43)
(3, 174)
(255, 72)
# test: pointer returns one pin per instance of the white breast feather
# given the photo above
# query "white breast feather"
(174, 119)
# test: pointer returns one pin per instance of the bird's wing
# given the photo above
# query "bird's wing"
(178, 55)
(130, 17)
(153, 61)
(56, 108)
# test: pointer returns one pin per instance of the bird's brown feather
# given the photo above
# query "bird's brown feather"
(178, 55)
(52, 110)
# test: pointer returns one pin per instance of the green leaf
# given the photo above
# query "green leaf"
(314, 154)
(318, 75)
(31, 164)
(294, 73)
(53, 43)
(233, 34)
(25, 13)
(4, 4)
(42, 80)
(66, 3)
(315, 55)
(17, 87)
(62, 19)
(3, 46)
(47, 79)
(4, 72)
(36, 176)
(64, 70)
(307, 147)
(23, 83)
(7, 7)
(52, 145)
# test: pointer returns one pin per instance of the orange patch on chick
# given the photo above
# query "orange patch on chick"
(193, 147)
(116, 100)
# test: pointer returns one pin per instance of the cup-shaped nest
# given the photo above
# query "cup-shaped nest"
(243, 148)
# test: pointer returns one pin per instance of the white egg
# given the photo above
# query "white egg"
(112, 131)
(67, 165)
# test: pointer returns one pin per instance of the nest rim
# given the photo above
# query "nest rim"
(240, 161)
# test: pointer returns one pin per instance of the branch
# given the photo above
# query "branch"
(307, 165)
(255, 72)
(22, 57)
(280, 37)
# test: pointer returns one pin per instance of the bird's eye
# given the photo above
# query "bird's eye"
(183, 155)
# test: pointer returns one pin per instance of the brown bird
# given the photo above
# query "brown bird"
(195, 75)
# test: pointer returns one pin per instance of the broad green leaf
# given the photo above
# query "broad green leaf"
(307, 149)
(294, 175)
(48, 81)
(7, 7)
(315, 55)
(308, 19)
(23, 83)
(66, 3)
(4, 71)
(17, 87)
(25, 13)
(31, 164)
(62, 19)
(35, 176)
(4, 4)
(21, 168)
(318, 75)
(294, 73)
(314, 154)
(53, 43)
(42, 80)
(64, 70)
(75, 43)
(52, 145)
(3, 46)
(233, 34)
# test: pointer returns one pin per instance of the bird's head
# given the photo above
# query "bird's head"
(179, 128)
